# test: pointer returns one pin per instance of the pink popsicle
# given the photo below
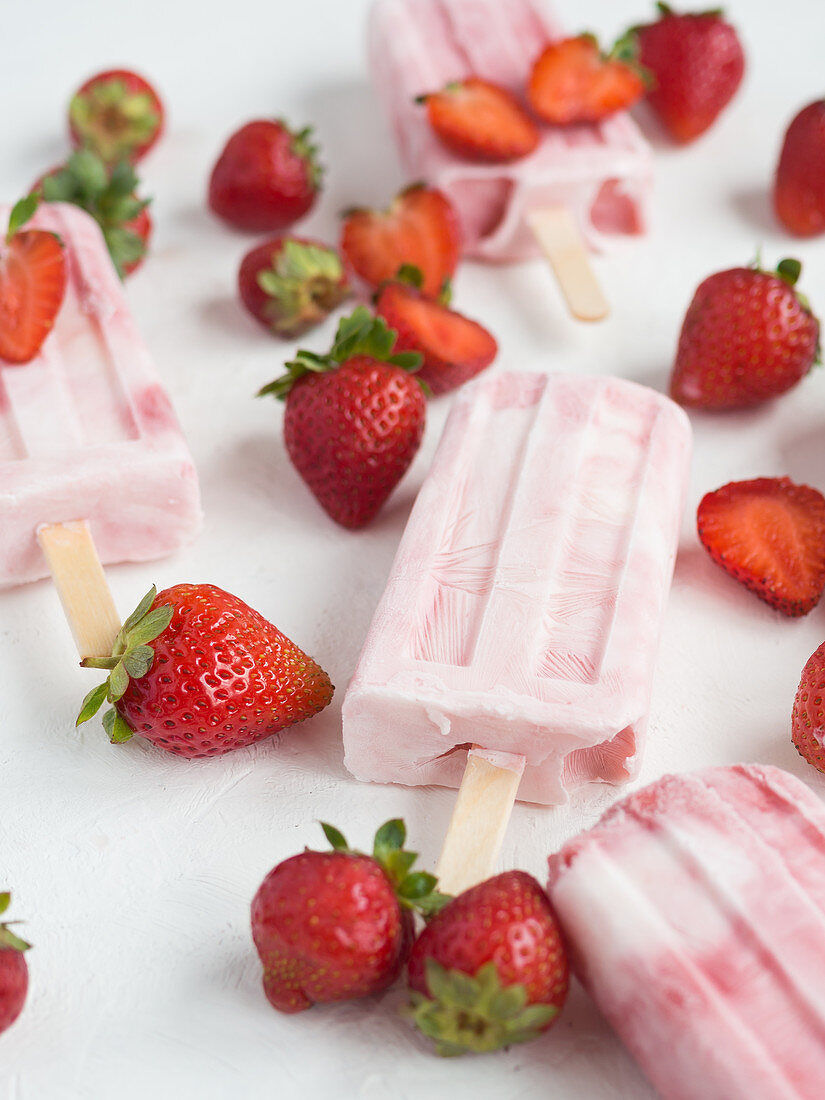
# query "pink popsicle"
(87, 431)
(601, 173)
(695, 914)
(523, 609)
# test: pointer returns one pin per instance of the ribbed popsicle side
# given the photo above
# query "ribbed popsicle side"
(601, 172)
(524, 606)
(86, 428)
(695, 911)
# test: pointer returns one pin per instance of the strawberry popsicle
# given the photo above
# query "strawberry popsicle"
(523, 609)
(694, 911)
(86, 429)
(600, 173)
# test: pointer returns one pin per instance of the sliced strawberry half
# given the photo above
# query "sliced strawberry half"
(419, 228)
(573, 81)
(32, 285)
(116, 113)
(480, 120)
(455, 349)
(769, 534)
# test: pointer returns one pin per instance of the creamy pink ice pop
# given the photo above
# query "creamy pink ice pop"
(523, 609)
(87, 431)
(695, 915)
(602, 173)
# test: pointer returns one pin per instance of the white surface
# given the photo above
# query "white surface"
(134, 872)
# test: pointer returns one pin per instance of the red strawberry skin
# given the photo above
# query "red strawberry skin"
(118, 114)
(808, 716)
(455, 349)
(481, 121)
(799, 188)
(507, 920)
(265, 179)
(223, 677)
(14, 983)
(351, 433)
(420, 228)
(328, 927)
(769, 534)
(746, 338)
(33, 278)
(697, 63)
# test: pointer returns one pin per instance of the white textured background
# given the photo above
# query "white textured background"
(134, 872)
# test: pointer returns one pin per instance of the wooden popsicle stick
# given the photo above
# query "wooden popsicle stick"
(479, 822)
(560, 240)
(81, 585)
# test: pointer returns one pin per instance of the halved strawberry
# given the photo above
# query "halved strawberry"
(455, 348)
(116, 113)
(419, 228)
(480, 120)
(770, 535)
(573, 81)
(32, 285)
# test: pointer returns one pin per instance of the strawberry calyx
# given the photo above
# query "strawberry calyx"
(303, 147)
(305, 282)
(626, 50)
(22, 211)
(362, 334)
(415, 890)
(107, 192)
(113, 119)
(475, 1012)
(131, 658)
(8, 939)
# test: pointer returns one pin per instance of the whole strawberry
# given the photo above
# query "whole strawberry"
(117, 114)
(799, 188)
(697, 64)
(107, 192)
(216, 677)
(290, 284)
(33, 277)
(490, 968)
(266, 178)
(769, 534)
(747, 336)
(455, 349)
(14, 974)
(331, 926)
(808, 716)
(420, 228)
(354, 418)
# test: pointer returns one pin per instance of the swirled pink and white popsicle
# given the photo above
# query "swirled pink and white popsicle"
(601, 173)
(523, 609)
(695, 916)
(87, 431)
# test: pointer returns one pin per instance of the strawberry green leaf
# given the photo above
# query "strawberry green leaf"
(92, 704)
(390, 837)
(335, 838)
(475, 1011)
(410, 275)
(118, 682)
(150, 626)
(138, 661)
(5, 900)
(140, 611)
(9, 939)
(417, 885)
(789, 271)
(116, 727)
(20, 213)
